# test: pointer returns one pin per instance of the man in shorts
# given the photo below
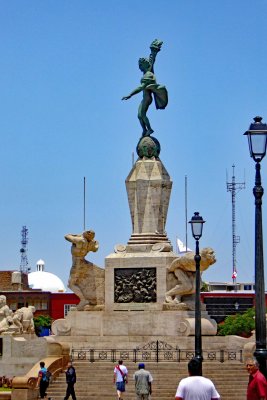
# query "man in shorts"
(120, 378)
(143, 383)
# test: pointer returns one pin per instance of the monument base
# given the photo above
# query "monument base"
(139, 323)
(127, 331)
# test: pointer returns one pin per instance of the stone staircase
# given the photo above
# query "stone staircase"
(95, 380)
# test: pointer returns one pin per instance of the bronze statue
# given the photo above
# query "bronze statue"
(149, 85)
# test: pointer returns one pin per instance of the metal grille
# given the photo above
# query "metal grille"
(156, 351)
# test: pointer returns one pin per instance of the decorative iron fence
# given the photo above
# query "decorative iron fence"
(156, 351)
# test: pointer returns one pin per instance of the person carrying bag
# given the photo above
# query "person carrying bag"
(120, 378)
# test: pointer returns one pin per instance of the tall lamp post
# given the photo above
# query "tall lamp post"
(197, 226)
(257, 140)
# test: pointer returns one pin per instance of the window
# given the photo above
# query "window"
(44, 305)
(37, 305)
(67, 308)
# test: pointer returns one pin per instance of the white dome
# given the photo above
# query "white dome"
(40, 262)
(45, 281)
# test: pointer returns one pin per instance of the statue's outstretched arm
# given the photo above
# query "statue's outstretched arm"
(154, 48)
(73, 238)
(135, 91)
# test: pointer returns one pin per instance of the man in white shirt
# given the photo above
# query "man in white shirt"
(120, 378)
(196, 387)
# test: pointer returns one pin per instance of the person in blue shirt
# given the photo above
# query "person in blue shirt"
(42, 382)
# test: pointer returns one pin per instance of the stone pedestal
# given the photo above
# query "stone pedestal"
(136, 276)
(148, 188)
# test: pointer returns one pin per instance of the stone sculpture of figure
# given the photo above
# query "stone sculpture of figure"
(5, 324)
(86, 279)
(23, 318)
(6, 318)
(82, 244)
(5, 315)
(19, 322)
(4, 309)
(181, 274)
(149, 86)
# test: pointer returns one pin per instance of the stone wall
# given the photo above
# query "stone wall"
(6, 281)
(20, 353)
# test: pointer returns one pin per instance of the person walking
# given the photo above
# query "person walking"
(195, 386)
(257, 385)
(143, 382)
(71, 380)
(42, 381)
(120, 378)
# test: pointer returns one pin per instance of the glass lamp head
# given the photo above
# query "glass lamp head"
(196, 225)
(257, 139)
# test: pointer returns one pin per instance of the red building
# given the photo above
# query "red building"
(19, 294)
(60, 304)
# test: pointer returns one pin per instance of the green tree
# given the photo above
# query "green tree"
(204, 287)
(238, 324)
(42, 321)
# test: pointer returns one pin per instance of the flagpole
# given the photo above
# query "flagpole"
(186, 212)
(84, 203)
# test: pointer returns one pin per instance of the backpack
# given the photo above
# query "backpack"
(48, 376)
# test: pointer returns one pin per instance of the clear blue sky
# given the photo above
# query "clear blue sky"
(64, 67)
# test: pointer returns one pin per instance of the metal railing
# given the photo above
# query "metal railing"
(156, 351)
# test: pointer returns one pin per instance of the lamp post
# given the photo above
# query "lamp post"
(257, 140)
(197, 226)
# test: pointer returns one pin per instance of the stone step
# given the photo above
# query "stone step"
(171, 374)
(128, 396)
(94, 381)
(164, 382)
(155, 395)
(169, 389)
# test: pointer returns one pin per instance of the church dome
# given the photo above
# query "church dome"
(46, 281)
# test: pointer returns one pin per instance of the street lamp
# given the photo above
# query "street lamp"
(257, 140)
(197, 226)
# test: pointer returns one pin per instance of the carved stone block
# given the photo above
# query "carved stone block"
(135, 285)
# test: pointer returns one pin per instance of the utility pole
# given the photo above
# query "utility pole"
(234, 188)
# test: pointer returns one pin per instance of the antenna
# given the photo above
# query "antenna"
(23, 251)
(233, 187)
